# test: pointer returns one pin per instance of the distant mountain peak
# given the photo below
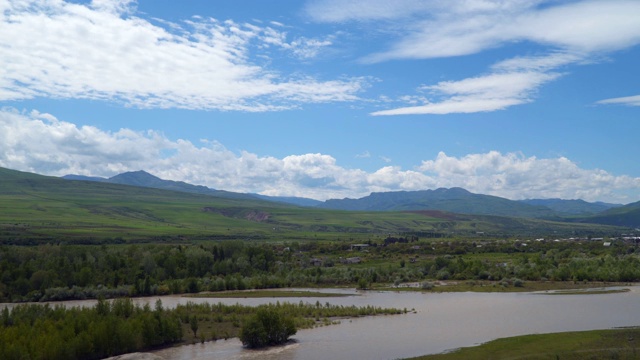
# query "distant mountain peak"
(137, 178)
(139, 173)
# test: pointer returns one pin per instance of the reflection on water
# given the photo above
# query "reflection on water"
(443, 321)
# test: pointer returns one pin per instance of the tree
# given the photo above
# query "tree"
(193, 322)
(266, 327)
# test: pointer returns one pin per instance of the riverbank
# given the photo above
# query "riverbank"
(564, 287)
(596, 344)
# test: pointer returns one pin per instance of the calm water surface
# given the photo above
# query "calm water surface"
(443, 321)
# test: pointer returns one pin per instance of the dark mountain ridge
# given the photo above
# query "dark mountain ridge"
(142, 178)
(456, 200)
(571, 207)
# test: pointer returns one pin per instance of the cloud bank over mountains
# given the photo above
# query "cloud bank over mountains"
(41, 143)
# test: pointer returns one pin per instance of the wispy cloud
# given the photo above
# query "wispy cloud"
(463, 27)
(486, 93)
(103, 51)
(42, 143)
(627, 100)
(568, 33)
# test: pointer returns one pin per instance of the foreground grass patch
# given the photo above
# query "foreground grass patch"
(597, 344)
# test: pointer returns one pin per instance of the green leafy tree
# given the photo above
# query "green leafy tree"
(266, 327)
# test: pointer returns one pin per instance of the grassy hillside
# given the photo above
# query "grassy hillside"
(34, 207)
(628, 215)
(39, 207)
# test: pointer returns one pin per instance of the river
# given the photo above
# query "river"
(442, 321)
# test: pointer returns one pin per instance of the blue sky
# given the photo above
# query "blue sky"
(328, 98)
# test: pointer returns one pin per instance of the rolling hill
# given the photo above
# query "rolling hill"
(627, 215)
(41, 208)
(35, 208)
(456, 200)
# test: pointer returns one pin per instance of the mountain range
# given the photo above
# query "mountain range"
(454, 200)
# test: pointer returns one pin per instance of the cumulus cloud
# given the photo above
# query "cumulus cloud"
(103, 51)
(568, 33)
(515, 176)
(41, 143)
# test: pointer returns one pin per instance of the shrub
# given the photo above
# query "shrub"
(427, 285)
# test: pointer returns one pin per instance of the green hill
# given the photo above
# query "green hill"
(35, 208)
(627, 215)
(39, 208)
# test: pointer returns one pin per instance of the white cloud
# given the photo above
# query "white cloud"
(43, 144)
(103, 51)
(492, 92)
(568, 33)
(627, 100)
(515, 176)
(463, 27)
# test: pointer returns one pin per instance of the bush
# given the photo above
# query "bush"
(427, 285)
(267, 327)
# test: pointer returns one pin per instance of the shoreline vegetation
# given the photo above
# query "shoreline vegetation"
(111, 328)
(621, 343)
(266, 294)
(50, 272)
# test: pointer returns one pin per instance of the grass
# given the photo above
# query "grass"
(265, 294)
(597, 344)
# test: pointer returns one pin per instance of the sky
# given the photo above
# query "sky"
(328, 98)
